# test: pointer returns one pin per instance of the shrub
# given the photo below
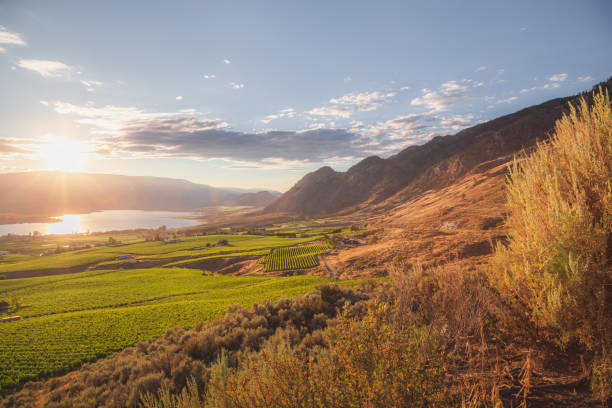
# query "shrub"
(556, 268)
(370, 363)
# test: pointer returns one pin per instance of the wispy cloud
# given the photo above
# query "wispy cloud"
(554, 82)
(449, 93)
(112, 119)
(209, 76)
(90, 84)
(46, 68)
(558, 78)
(586, 78)
(348, 104)
(179, 98)
(235, 85)
(481, 68)
(6, 37)
(226, 61)
(456, 122)
(2, 50)
(285, 113)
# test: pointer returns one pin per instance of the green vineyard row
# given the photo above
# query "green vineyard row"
(300, 257)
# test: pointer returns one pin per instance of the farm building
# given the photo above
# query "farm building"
(4, 306)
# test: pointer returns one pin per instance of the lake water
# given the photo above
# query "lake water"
(105, 221)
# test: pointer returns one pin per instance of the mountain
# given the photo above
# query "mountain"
(55, 193)
(258, 199)
(433, 165)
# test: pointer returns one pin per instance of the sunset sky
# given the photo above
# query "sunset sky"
(256, 94)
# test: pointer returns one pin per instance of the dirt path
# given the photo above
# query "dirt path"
(322, 257)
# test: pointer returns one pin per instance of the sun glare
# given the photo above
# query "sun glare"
(64, 155)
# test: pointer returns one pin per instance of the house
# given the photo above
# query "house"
(4, 306)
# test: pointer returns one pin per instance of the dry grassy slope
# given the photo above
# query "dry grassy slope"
(415, 231)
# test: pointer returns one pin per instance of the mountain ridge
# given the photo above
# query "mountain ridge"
(47, 193)
(435, 164)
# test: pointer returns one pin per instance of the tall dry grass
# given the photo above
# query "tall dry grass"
(557, 267)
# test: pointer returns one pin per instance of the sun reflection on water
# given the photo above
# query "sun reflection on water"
(70, 223)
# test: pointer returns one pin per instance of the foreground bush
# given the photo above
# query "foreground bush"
(370, 363)
(557, 266)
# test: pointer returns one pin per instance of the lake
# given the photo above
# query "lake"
(105, 221)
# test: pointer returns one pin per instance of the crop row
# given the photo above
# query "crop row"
(300, 257)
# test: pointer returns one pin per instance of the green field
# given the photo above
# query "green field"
(87, 307)
(300, 257)
(13, 264)
(121, 308)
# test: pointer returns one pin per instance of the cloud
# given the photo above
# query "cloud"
(209, 76)
(90, 83)
(347, 79)
(481, 68)
(48, 69)
(14, 147)
(449, 93)
(558, 78)
(404, 88)
(285, 113)
(45, 103)
(2, 50)
(226, 61)
(112, 119)
(179, 98)
(456, 122)
(7, 37)
(130, 132)
(552, 85)
(348, 104)
(235, 85)
(508, 100)
(523, 29)
(586, 78)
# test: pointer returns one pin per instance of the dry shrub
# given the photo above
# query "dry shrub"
(370, 363)
(556, 267)
(459, 303)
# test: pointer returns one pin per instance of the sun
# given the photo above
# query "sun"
(64, 155)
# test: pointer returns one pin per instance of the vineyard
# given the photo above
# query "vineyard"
(300, 257)
(133, 309)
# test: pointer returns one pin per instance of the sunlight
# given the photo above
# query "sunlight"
(64, 155)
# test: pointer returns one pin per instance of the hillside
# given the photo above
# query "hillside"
(53, 193)
(433, 165)
(258, 199)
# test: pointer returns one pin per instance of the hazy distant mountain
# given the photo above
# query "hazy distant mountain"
(416, 169)
(258, 199)
(54, 193)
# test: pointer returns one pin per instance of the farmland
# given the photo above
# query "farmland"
(23, 260)
(78, 303)
(80, 317)
(292, 258)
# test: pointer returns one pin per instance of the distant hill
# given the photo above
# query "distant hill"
(56, 193)
(435, 164)
(258, 199)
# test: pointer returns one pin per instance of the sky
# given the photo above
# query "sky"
(256, 94)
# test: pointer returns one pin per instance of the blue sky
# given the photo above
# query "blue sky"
(256, 94)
